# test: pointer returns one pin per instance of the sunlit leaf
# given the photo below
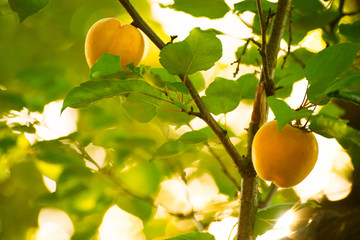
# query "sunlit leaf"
(332, 127)
(26, 8)
(143, 179)
(194, 236)
(108, 66)
(251, 56)
(199, 51)
(266, 218)
(201, 8)
(330, 63)
(250, 5)
(283, 112)
(222, 95)
(247, 83)
(322, 69)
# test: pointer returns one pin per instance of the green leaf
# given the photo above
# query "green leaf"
(250, 5)
(351, 31)
(171, 148)
(26, 8)
(198, 81)
(143, 179)
(322, 69)
(248, 84)
(91, 91)
(346, 95)
(283, 112)
(193, 137)
(329, 126)
(199, 51)
(10, 101)
(330, 63)
(202, 8)
(138, 109)
(108, 66)
(222, 95)
(251, 56)
(194, 236)
(266, 218)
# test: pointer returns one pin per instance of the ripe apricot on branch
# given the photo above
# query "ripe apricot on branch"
(109, 36)
(285, 158)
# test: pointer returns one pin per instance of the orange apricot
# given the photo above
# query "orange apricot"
(109, 36)
(285, 158)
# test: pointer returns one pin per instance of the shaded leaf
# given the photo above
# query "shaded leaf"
(10, 101)
(193, 137)
(346, 95)
(351, 31)
(91, 91)
(201, 8)
(138, 109)
(26, 8)
(283, 112)
(171, 148)
(199, 51)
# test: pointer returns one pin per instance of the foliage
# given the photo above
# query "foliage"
(133, 116)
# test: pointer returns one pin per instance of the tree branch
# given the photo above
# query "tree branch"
(248, 204)
(204, 113)
(223, 167)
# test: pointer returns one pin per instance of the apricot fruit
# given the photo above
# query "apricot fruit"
(285, 158)
(109, 36)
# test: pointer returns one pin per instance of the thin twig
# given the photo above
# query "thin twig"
(119, 184)
(290, 40)
(86, 155)
(238, 60)
(263, 41)
(272, 190)
(223, 167)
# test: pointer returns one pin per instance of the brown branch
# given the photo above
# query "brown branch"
(289, 41)
(204, 113)
(248, 204)
(263, 51)
(238, 60)
(272, 190)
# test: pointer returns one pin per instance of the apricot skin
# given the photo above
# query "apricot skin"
(109, 36)
(286, 158)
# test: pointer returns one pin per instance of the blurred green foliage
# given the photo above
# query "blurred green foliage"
(133, 116)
